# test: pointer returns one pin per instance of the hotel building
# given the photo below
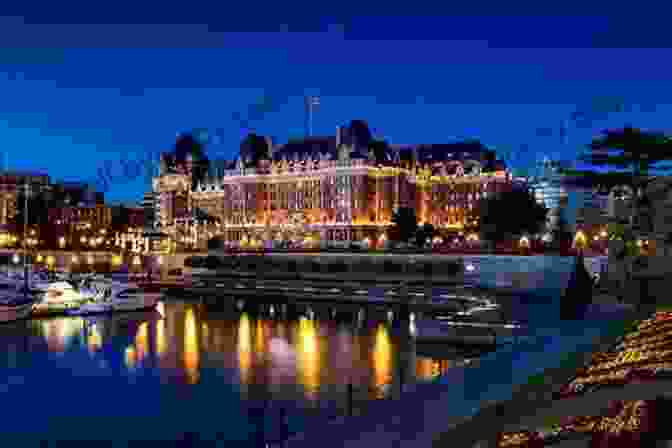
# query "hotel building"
(549, 190)
(331, 190)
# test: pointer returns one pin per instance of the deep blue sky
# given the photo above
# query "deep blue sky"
(84, 84)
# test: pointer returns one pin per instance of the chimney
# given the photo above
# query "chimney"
(338, 136)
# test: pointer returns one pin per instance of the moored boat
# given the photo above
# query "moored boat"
(16, 308)
(129, 298)
(60, 298)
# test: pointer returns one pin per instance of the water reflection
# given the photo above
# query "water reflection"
(191, 347)
(130, 357)
(60, 334)
(244, 348)
(141, 343)
(427, 368)
(382, 358)
(160, 338)
(94, 339)
(308, 357)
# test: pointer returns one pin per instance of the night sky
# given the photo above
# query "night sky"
(89, 84)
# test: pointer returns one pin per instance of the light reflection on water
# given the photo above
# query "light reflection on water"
(382, 358)
(186, 351)
(313, 354)
(308, 357)
(191, 347)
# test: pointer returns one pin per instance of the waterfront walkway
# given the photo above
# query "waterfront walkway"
(425, 415)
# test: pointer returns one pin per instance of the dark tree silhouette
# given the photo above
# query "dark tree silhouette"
(253, 148)
(424, 233)
(187, 146)
(38, 209)
(562, 234)
(627, 148)
(380, 149)
(630, 148)
(510, 214)
(405, 223)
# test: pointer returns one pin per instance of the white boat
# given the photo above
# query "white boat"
(61, 296)
(127, 296)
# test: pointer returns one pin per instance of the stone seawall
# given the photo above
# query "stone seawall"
(343, 266)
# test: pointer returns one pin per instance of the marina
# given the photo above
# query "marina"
(253, 363)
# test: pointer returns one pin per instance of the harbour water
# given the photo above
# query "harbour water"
(225, 376)
(187, 373)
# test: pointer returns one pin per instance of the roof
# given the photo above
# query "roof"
(312, 147)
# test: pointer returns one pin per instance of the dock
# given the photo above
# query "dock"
(415, 293)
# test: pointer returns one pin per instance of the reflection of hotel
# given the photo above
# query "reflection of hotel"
(341, 188)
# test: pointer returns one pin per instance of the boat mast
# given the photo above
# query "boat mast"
(25, 252)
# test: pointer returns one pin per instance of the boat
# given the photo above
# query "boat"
(128, 296)
(16, 308)
(133, 298)
(60, 297)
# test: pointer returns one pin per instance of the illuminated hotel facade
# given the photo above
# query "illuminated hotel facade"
(327, 190)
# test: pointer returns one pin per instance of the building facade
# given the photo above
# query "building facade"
(328, 190)
(149, 205)
(12, 185)
(548, 189)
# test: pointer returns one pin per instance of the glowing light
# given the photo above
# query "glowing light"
(244, 348)
(191, 347)
(524, 241)
(259, 340)
(50, 260)
(74, 259)
(15, 259)
(129, 357)
(116, 259)
(136, 261)
(94, 340)
(141, 345)
(308, 357)
(382, 357)
(580, 239)
(39, 258)
(470, 267)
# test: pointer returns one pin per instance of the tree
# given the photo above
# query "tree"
(38, 208)
(630, 148)
(562, 234)
(424, 233)
(253, 148)
(380, 150)
(405, 224)
(511, 214)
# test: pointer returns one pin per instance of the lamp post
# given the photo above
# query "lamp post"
(25, 233)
